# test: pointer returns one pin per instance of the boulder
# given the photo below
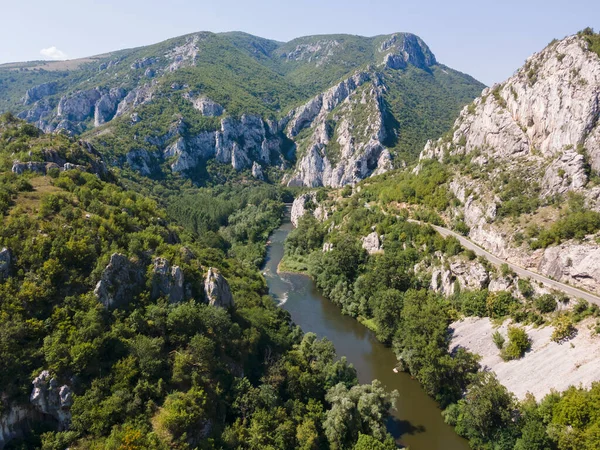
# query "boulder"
(216, 289)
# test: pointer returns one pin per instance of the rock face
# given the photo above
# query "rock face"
(39, 92)
(167, 281)
(540, 129)
(257, 171)
(5, 264)
(302, 204)
(239, 142)
(404, 48)
(119, 282)
(51, 399)
(141, 161)
(217, 289)
(356, 104)
(577, 264)
(13, 422)
(469, 276)
(371, 243)
(32, 166)
(206, 106)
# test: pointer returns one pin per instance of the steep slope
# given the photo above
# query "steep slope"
(173, 106)
(526, 158)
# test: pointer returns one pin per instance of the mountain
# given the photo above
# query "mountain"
(524, 159)
(318, 110)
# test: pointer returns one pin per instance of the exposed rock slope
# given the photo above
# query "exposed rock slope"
(527, 142)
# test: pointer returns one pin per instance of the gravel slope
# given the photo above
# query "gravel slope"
(548, 365)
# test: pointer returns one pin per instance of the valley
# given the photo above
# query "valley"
(435, 283)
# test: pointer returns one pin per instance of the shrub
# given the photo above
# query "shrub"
(500, 304)
(525, 288)
(474, 303)
(563, 328)
(518, 344)
(545, 303)
(498, 339)
(505, 270)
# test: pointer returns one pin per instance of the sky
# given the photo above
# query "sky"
(486, 39)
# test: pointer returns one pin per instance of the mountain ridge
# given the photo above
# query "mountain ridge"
(171, 92)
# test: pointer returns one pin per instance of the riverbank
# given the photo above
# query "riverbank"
(296, 264)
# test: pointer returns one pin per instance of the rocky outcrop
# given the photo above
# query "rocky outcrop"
(356, 104)
(544, 118)
(185, 54)
(106, 107)
(469, 275)
(143, 63)
(121, 280)
(5, 264)
(167, 281)
(371, 243)
(239, 142)
(136, 97)
(141, 161)
(39, 92)
(576, 264)
(78, 106)
(402, 49)
(539, 129)
(216, 289)
(51, 399)
(15, 422)
(205, 105)
(302, 204)
(257, 171)
(32, 166)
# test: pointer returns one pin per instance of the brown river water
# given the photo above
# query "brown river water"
(417, 420)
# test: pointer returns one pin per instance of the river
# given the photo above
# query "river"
(417, 421)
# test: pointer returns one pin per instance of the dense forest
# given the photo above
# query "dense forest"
(386, 292)
(152, 371)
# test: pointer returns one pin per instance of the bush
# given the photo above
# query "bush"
(474, 303)
(525, 288)
(563, 328)
(518, 344)
(505, 270)
(545, 303)
(500, 304)
(471, 255)
(498, 339)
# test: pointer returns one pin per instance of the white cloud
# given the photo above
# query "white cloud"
(53, 53)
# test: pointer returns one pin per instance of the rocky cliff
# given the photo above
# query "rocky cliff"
(321, 108)
(520, 148)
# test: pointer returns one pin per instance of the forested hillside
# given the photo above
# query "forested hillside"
(139, 333)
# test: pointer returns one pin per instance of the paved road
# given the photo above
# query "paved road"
(523, 273)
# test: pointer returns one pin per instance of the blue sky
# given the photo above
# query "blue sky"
(486, 39)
